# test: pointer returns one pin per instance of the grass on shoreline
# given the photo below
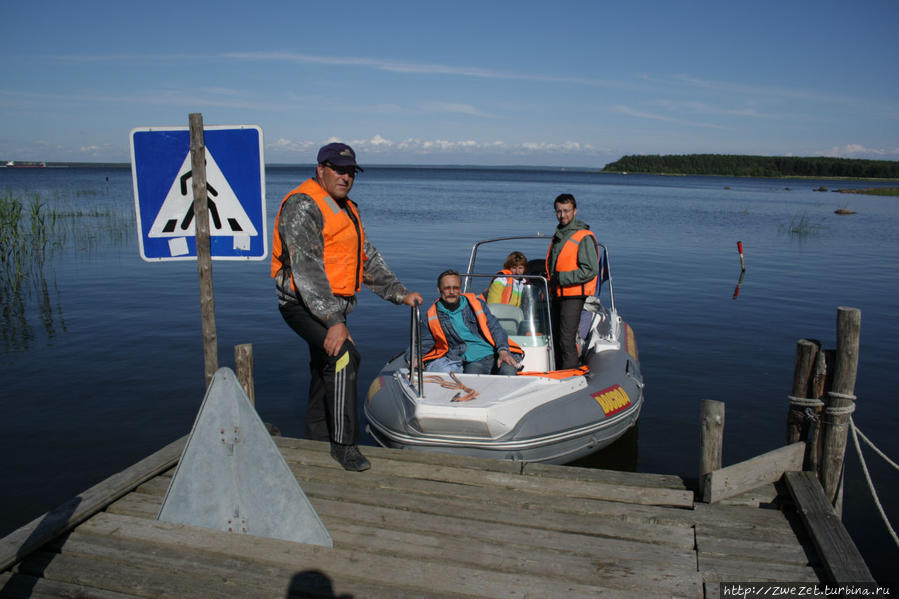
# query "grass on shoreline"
(874, 191)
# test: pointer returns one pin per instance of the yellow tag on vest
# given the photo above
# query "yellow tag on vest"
(342, 361)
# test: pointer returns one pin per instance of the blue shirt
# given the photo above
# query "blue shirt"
(476, 347)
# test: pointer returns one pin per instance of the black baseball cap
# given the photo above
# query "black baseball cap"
(338, 154)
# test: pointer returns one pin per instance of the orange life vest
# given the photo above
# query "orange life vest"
(343, 237)
(509, 285)
(441, 346)
(566, 261)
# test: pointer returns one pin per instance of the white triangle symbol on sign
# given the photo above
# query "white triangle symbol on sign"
(226, 215)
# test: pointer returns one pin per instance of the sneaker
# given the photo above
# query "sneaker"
(349, 457)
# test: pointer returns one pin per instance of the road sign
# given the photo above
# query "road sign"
(163, 192)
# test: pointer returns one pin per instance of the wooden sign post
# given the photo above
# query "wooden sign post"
(204, 251)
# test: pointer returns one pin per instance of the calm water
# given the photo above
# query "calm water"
(102, 360)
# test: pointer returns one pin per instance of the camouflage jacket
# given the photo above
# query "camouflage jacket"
(300, 227)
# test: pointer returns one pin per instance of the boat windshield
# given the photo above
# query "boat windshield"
(520, 305)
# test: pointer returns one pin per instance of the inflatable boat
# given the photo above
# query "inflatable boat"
(540, 415)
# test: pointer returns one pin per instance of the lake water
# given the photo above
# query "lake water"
(102, 358)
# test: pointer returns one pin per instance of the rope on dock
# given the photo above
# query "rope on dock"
(805, 402)
(810, 404)
(855, 435)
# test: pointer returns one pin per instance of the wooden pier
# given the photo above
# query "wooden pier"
(429, 525)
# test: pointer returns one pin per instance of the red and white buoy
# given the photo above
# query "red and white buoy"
(742, 262)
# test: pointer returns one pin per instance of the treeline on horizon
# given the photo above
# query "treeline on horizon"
(755, 166)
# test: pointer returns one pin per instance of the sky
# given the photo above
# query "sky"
(576, 84)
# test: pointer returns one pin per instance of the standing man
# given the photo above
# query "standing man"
(572, 263)
(321, 255)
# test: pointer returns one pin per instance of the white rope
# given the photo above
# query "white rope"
(805, 402)
(875, 448)
(835, 411)
(858, 449)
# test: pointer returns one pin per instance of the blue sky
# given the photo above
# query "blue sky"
(497, 83)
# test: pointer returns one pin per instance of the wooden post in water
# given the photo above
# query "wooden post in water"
(816, 391)
(797, 425)
(204, 251)
(243, 362)
(840, 404)
(711, 442)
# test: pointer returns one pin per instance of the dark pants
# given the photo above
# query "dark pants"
(566, 318)
(331, 408)
(488, 366)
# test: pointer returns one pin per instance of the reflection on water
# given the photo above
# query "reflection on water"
(33, 234)
(621, 455)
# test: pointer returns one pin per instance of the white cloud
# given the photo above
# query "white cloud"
(857, 151)
(380, 145)
(396, 66)
(660, 117)
(455, 108)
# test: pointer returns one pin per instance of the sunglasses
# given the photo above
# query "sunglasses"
(342, 170)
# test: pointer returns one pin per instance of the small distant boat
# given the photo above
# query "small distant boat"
(14, 164)
(541, 415)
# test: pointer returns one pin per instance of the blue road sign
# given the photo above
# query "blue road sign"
(163, 192)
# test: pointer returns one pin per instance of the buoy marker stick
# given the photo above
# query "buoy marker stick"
(742, 262)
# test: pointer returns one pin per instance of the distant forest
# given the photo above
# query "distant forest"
(756, 166)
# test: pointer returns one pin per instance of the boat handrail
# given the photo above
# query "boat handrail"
(415, 362)
(600, 246)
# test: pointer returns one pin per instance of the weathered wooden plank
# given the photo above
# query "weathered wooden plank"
(764, 495)
(17, 585)
(718, 569)
(522, 534)
(26, 539)
(125, 577)
(538, 515)
(842, 560)
(616, 571)
(516, 529)
(465, 552)
(785, 534)
(713, 545)
(739, 517)
(642, 479)
(754, 472)
(465, 476)
(339, 564)
(612, 477)
(316, 481)
(128, 556)
(477, 512)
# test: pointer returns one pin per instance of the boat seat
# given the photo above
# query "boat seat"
(508, 316)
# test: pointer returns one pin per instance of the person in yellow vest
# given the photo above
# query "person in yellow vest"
(572, 264)
(321, 256)
(507, 289)
(464, 336)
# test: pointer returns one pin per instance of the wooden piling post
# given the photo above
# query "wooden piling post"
(797, 424)
(243, 363)
(204, 250)
(816, 391)
(840, 403)
(711, 442)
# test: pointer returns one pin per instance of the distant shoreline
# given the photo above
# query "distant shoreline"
(554, 169)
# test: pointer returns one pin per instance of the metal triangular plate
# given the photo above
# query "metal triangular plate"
(232, 476)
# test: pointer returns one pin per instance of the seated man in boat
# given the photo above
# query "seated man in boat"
(465, 336)
(507, 289)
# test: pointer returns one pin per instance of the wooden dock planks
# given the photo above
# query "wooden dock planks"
(428, 525)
